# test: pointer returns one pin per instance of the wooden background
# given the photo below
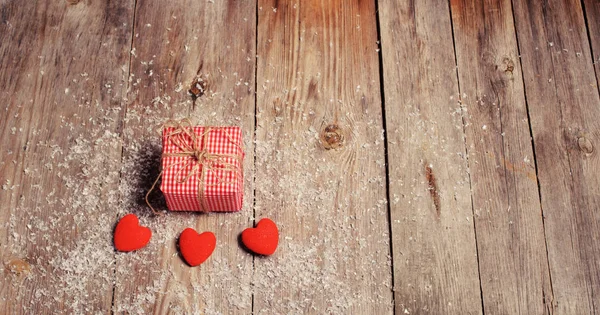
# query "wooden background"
(419, 157)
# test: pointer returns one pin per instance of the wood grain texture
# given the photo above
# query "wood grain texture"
(320, 169)
(435, 259)
(174, 44)
(513, 264)
(59, 152)
(564, 107)
(592, 13)
(86, 84)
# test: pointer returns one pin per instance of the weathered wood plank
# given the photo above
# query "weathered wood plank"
(435, 262)
(174, 44)
(592, 13)
(62, 82)
(513, 264)
(564, 107)
(320, 169)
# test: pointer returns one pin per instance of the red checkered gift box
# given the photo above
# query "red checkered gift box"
(202, 168)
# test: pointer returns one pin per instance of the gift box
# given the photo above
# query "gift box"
(202, 168)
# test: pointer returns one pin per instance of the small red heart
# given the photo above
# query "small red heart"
(263, 238)
(196, 248)
(130, 235)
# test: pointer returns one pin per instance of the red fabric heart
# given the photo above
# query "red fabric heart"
(262, 239)
(130, 235)
(196, 248)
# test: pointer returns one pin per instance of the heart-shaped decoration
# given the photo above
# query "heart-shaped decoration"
(130, 235)
(196, 248)
(262, 239)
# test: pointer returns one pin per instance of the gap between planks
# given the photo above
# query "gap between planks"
(385, 148)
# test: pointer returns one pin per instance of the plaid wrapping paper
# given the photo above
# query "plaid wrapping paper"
(222, 188)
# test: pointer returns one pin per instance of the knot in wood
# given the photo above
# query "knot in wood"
(18, 267)
(509, 65)
(72, 2)
(585, 145)
(332, 137)
(197, 88)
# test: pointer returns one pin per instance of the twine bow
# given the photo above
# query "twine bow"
(196, 154)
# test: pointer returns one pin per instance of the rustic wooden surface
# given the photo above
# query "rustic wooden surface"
(63, 70)
(435, 262)
(513, 265)
(174, 45)
(562, 95)
(448, 169)
(320, 168)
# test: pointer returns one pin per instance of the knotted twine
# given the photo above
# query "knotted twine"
(196, 154)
